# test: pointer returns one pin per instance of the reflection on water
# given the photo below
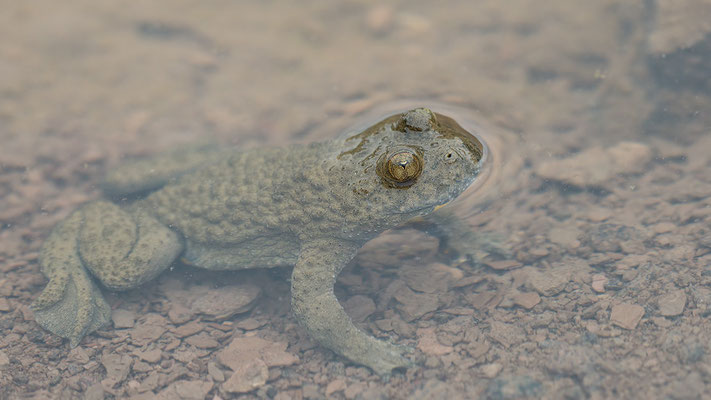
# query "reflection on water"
(597, 119)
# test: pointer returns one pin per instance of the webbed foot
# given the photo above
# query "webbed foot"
(71, 305)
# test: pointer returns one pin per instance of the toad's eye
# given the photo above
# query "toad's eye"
(400, 168)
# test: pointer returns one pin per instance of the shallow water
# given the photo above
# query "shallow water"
(597, 116)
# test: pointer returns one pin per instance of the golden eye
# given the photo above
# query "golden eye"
(400, 168)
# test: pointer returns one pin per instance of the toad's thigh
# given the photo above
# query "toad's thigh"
(124, 249)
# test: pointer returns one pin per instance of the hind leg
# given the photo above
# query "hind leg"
(121, 249)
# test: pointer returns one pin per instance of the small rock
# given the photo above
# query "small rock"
(490, 371)
(336, 385)
(185, 356)
(188, 329)
(151, 356)
(506, 334)
(414, 305)
(630, 157)
(4, 360)
(202, 341)
(484, 300)
(79, 355)
(354, 390)
(123, 318)
(310, 391)
(663, 227)
(185, 390)
(150, 329)
(565, 236)
(602, 330)
(247, 376)
(252, 347)
(672, 304)
(527, 300)
(117, 367)
(429, 344)
(179, 314)
(224, 302)
(359, 307)
(596, 166)
(626, 315)
(94, 392)
(215, 372)
(250, 324)
(4, 305)
(598, 283)
(549, 282)
(430, 279)
(379, 19)
(396, 248)
(503, 265)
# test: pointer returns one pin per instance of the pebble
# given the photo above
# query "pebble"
(597, 166)
(188, 329)
(95, 392)
(4, 305)
(527, 300)
(185, 390)
(202, 341)
(396, 248)
(4, 360)
(672, 304)
(250, 324)
(248, 375)
(179, 314)
(354, 390)
(336, 385)
(549, 282)
(224, 302)
(626, 315)
(215, 372)
(379, 19)
(359, 307)
(414, 305)
(252, 347)
(490, 371)
(151, 356)
(147, 333)
(565, 236)
(503, 265)
(123, 318)
(429, 344)
(117, 367)
(598, 283)
(506, 334)
(663, 227)
(429, 279)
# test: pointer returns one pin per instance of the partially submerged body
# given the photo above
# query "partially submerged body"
(310, 206)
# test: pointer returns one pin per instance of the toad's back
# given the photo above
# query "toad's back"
(249, 209)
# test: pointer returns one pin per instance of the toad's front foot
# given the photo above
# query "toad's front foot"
(71, 305)
(385, 357)
(317, 309)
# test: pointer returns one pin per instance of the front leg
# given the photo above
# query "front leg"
(317, 309)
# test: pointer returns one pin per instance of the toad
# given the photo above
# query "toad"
(307, 206)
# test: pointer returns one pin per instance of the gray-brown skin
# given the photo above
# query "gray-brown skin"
(311, 206)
